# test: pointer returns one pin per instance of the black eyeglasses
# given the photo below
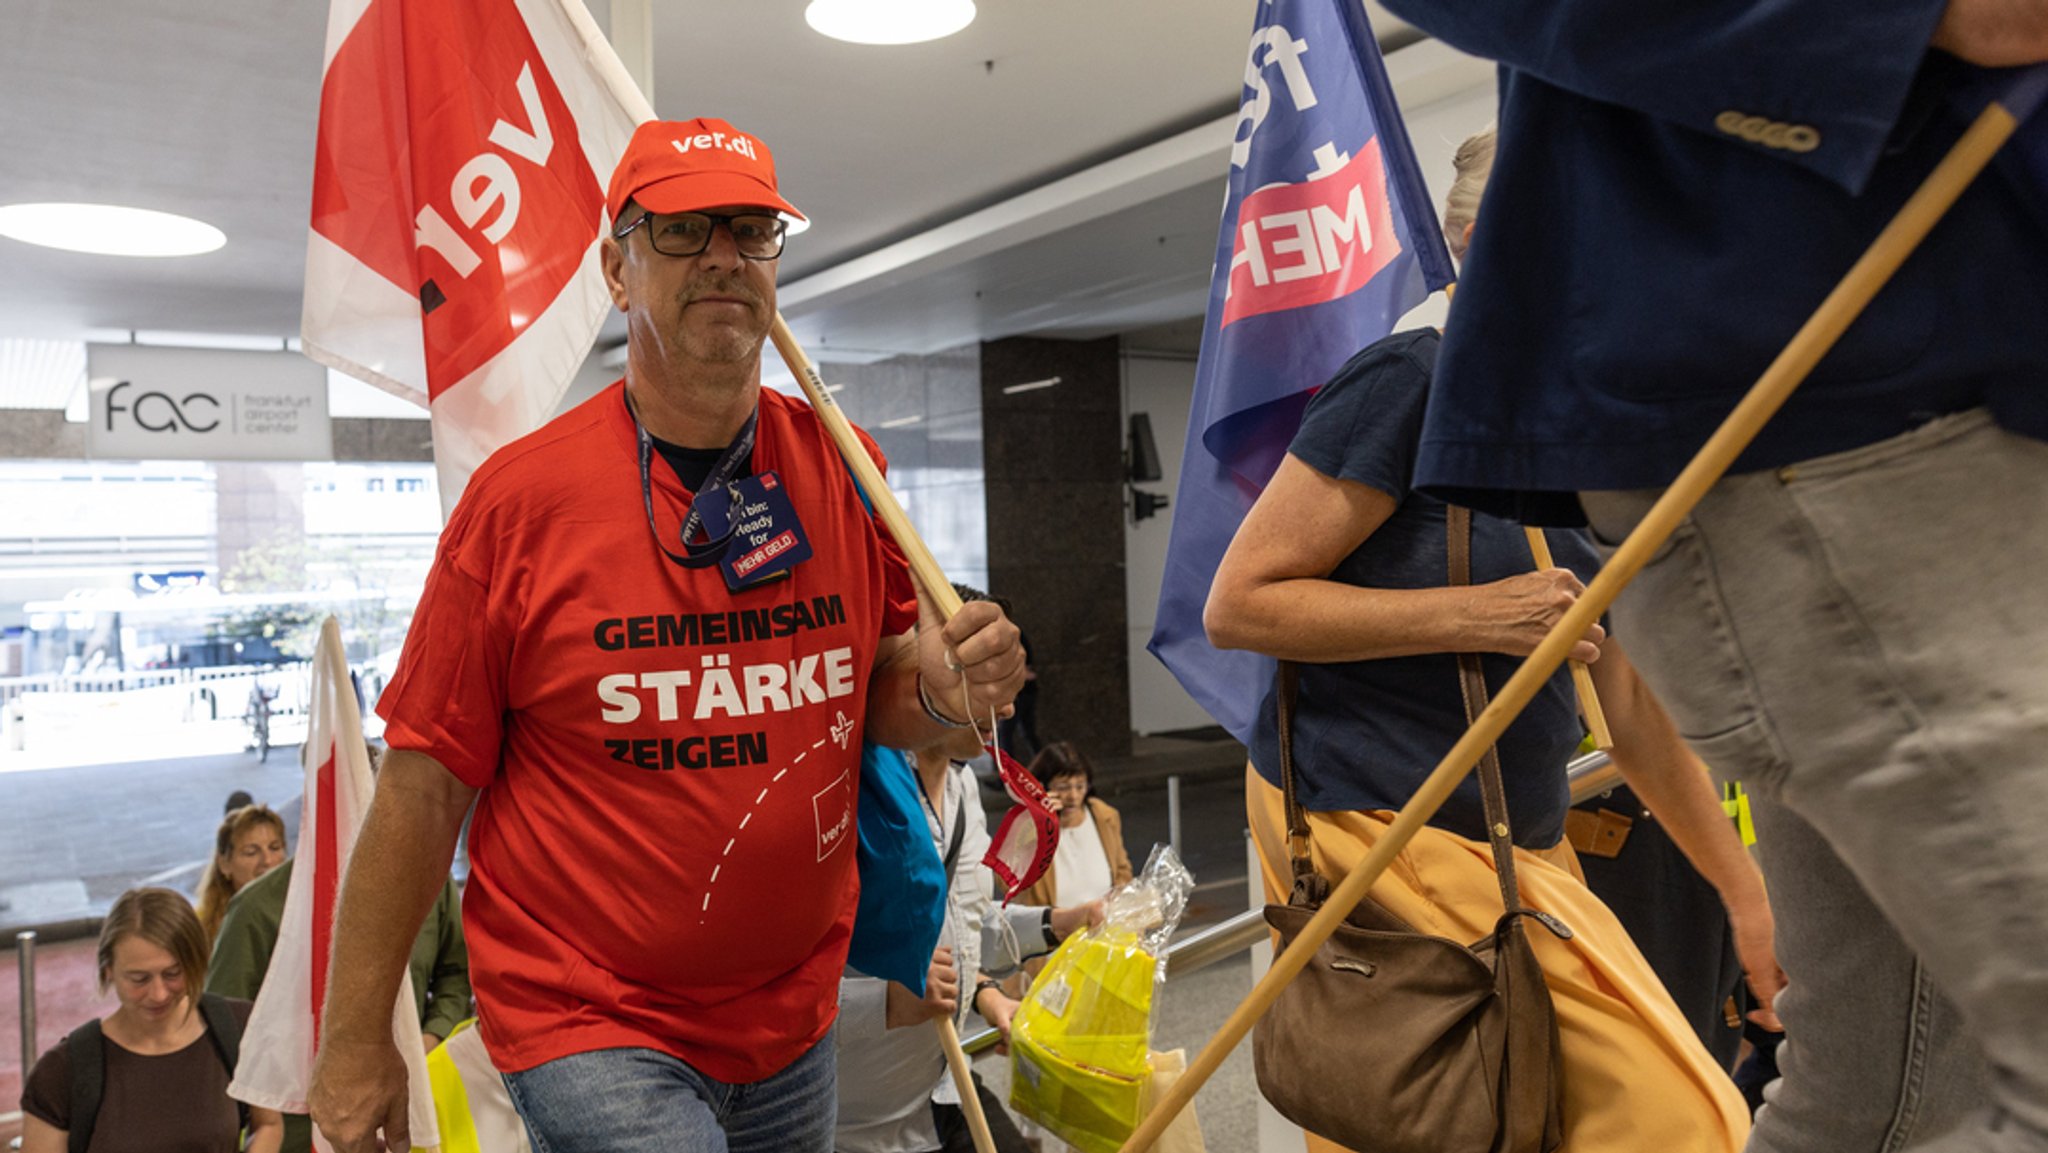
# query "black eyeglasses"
(757, 235)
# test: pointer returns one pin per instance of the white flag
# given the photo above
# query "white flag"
(458, 204)
(475, 1107)
(276, 1066)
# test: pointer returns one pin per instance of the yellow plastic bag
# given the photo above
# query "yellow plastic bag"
(1080, 1042)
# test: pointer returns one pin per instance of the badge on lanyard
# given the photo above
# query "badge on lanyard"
(765, 538)
(744, 525)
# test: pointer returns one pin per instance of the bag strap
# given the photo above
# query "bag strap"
(224, 1029)
(85, 1050)
(1288, 679)
(960, 814)
(1472, 685)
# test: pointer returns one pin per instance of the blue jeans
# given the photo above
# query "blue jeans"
(643, 1101)
(1860, 639)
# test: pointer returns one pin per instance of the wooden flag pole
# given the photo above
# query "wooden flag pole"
(933, 580)
(1814, 339)
(963, 1080)
(922, 565)
(605, 61)
(1582, 677)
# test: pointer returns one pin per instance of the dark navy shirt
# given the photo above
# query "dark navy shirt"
(1639, 261)
(1366, 733)
(693, 465)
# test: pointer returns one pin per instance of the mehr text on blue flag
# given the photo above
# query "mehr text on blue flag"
(1328, 238)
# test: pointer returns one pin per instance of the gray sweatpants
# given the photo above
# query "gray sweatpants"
(1863, 639)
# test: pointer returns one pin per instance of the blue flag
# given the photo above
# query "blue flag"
(1328, 237)
(2023, 91)
(2026, 93)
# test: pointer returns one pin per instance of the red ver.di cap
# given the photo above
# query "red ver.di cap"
(693, 165)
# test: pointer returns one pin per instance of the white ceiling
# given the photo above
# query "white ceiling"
(1056, 168)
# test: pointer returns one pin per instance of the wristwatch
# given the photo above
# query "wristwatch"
(930, 710)
(980, 986)
(1052, 939)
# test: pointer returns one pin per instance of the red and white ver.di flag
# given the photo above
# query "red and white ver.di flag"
(458, 201)
(276, 1066)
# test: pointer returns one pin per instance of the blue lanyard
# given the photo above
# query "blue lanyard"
(704, 553)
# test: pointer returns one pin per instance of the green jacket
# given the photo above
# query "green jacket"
(248, 934)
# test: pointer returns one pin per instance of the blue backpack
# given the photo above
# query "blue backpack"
(902, 881)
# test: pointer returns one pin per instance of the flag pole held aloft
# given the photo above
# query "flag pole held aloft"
(922, 564)
(933, 580)
(1582, 677)
(1813, 340)
(283, 1033)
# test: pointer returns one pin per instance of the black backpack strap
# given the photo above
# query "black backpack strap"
(959, 835)
(86, 1051)
(224, 1030)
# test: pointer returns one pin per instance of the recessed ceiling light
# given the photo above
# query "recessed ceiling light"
(219, 341)
(109, 229)
(889, 21)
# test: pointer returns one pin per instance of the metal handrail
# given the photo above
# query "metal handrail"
(25, 950)
(1590, 775)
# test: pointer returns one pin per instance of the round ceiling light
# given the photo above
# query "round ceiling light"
(109, 229)
(889, 21)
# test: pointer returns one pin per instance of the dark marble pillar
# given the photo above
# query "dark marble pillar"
(1055, 477)
(924, 413)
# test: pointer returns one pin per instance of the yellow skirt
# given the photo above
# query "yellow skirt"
(1636, 1078)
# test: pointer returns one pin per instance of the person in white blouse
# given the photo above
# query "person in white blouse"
(895, 1093)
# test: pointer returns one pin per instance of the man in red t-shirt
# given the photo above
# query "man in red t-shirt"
(653, 639)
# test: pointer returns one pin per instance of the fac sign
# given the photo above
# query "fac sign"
(180, 404)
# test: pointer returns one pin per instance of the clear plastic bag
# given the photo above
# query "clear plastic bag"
(1081, 1041)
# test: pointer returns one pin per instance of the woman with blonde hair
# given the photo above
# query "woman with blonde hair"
(248, 844)
(153, 1074)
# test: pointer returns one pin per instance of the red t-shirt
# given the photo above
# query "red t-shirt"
(661, 855)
